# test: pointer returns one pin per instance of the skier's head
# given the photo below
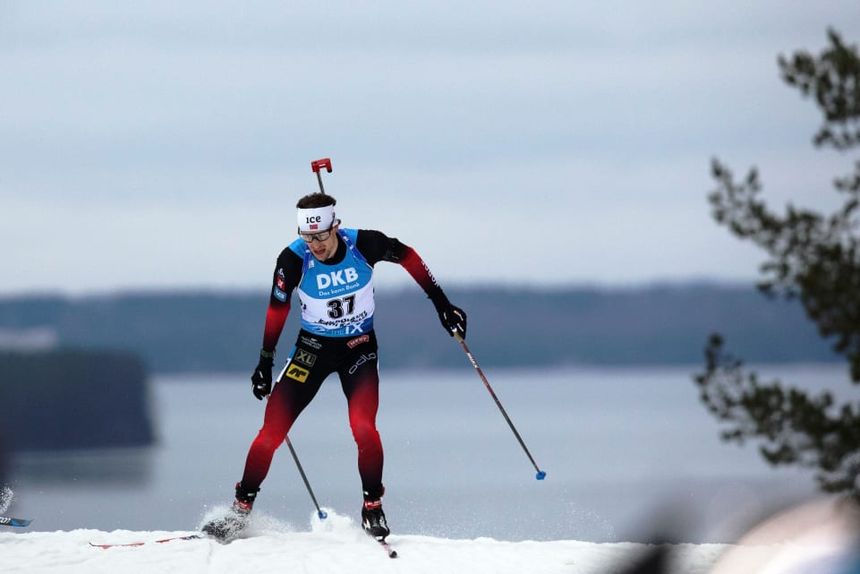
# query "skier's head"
(318, 224)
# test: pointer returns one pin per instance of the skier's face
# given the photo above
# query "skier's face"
(325, 249)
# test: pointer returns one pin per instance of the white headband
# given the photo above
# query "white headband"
(316, 219)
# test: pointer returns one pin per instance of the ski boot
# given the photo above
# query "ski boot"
(228, 527)
(373, 519)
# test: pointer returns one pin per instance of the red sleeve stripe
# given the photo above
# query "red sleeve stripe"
(419, 271)
(276, 316)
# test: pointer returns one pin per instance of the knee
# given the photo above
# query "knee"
(270, 438)
(363, 429)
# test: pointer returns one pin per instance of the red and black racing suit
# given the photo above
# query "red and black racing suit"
(353, 359)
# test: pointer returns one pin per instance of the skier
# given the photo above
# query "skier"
(332, 269)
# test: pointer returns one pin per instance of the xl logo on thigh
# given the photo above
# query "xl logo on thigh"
(305, 358)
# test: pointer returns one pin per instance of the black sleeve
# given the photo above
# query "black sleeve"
(376, 247)
(286, 277)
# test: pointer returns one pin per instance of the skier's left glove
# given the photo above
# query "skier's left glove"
(261, 380)
(453, 319)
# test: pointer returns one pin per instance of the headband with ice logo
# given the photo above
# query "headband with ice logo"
(316, 219)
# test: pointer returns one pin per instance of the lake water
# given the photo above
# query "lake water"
(627, 451)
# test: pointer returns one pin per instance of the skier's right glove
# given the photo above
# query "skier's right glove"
(261, 380)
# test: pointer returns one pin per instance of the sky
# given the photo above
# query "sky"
(163, 145)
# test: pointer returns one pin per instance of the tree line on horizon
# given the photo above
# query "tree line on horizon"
(660, 325)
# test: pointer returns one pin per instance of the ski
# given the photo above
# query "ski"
(17, 522)
(143, 543)
(392, 553)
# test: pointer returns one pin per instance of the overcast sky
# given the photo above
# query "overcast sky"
(164, 144)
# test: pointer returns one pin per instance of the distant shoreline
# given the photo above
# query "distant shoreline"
(216, 331)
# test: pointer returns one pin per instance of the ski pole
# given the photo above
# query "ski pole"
(540, 474)
(317, 165)
(320, 512)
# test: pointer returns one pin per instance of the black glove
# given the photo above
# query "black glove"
(453, 319)
(261, 380)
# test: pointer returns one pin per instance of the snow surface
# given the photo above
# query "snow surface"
(334, 545)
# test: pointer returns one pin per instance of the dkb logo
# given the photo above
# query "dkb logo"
(335, 278)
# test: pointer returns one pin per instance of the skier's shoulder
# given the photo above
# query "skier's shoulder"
(370, 239)
(369, 242)
(296, 249)
(351, 234)
(377, 246)
(291, 259)
(369, 234)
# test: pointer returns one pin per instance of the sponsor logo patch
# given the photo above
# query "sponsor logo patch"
(337, 278)
(279, 295)
(311, 342)
(361, 360)
(281, 284)
(305, 358)
(353, 343)
(297, 373)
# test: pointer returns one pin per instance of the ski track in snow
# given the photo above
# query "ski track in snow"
(314, 552)
(335, 545)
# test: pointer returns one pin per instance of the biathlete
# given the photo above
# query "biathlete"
(332, 270)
